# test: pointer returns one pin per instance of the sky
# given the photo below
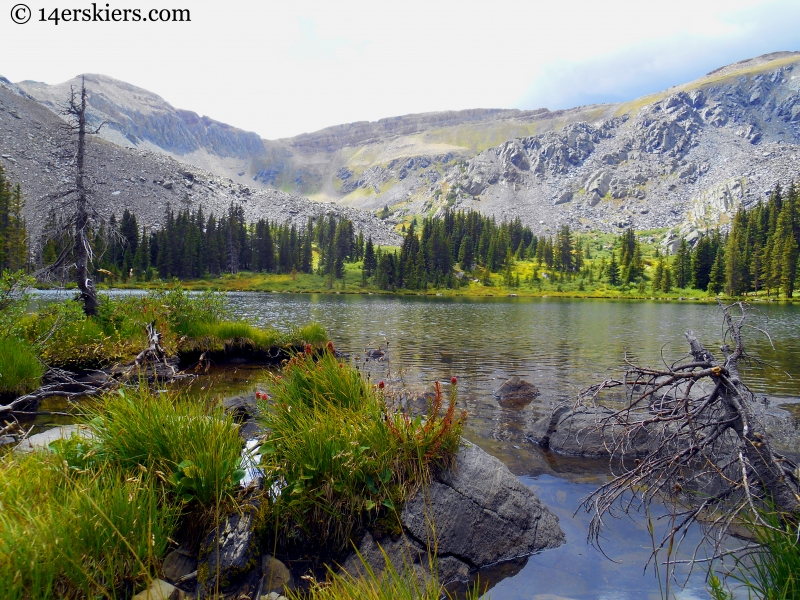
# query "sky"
(285, 68)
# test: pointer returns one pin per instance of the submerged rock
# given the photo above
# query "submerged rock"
(482, 514)
(516, 393)
(41, 441)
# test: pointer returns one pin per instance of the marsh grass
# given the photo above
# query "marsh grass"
(20, 369)
(221, 336)
(340, 459)
(70, 533)
(62, 336)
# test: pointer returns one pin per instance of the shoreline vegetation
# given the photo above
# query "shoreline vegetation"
(59, 336)
(462, 253)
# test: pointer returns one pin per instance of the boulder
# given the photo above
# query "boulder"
(179, 565)
(516, 393)
(276, 577)
(563, 197)
(229, 554)
(593, 198)
(482, 514)
(244, 410)
(158, 590)
(598, 182)
(582, 432)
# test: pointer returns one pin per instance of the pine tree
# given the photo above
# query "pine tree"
(682, 264)
(370, 262)
(716, 278)
(666, 280)
(613, 270)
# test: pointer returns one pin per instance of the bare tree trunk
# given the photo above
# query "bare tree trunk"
(82, 244)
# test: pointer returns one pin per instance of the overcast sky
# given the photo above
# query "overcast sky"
(284, 68)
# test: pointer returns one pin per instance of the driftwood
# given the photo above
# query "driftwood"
(152, 363)
(58, 382)
(709, 458)
(154, 354)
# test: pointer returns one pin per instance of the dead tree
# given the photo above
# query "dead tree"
(80, 216)
(709, 456)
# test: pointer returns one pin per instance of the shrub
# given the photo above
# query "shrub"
(340, 459)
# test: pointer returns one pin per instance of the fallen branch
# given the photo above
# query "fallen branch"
(710, 457)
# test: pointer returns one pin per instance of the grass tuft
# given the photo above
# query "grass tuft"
(192, 444)
(20, 368)
(340, 458)
(78, 534)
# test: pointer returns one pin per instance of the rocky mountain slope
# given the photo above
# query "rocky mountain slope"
(689, 157)
(36, 151)
(685, 158)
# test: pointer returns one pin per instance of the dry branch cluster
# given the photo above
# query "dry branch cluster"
(707, 452)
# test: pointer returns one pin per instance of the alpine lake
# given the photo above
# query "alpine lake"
(559, 345)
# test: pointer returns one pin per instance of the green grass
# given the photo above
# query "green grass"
(192, 444)
(20, 369)
(229, 335)
(390, 584)
(773, 573)
(342, 459)
(62, 336)
(67, 533)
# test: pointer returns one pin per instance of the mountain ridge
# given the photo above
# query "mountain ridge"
(684, 157)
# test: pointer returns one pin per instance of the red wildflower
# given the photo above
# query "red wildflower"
(381, 384)
(329, 346)
(340, 365)
(453, 380)
(308, 349)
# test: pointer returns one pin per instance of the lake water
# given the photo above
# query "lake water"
(561, 346)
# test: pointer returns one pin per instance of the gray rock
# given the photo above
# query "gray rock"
(276, 577)
(41, 441)
(407, 555)
(598, 182)
(516, 393)
(178, 564)
(563, 197)
(582, 432)
(482, 513)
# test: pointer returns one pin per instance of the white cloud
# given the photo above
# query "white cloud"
(281, 69)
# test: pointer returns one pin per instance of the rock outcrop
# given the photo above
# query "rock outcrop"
(482, 514)
(655, 162)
